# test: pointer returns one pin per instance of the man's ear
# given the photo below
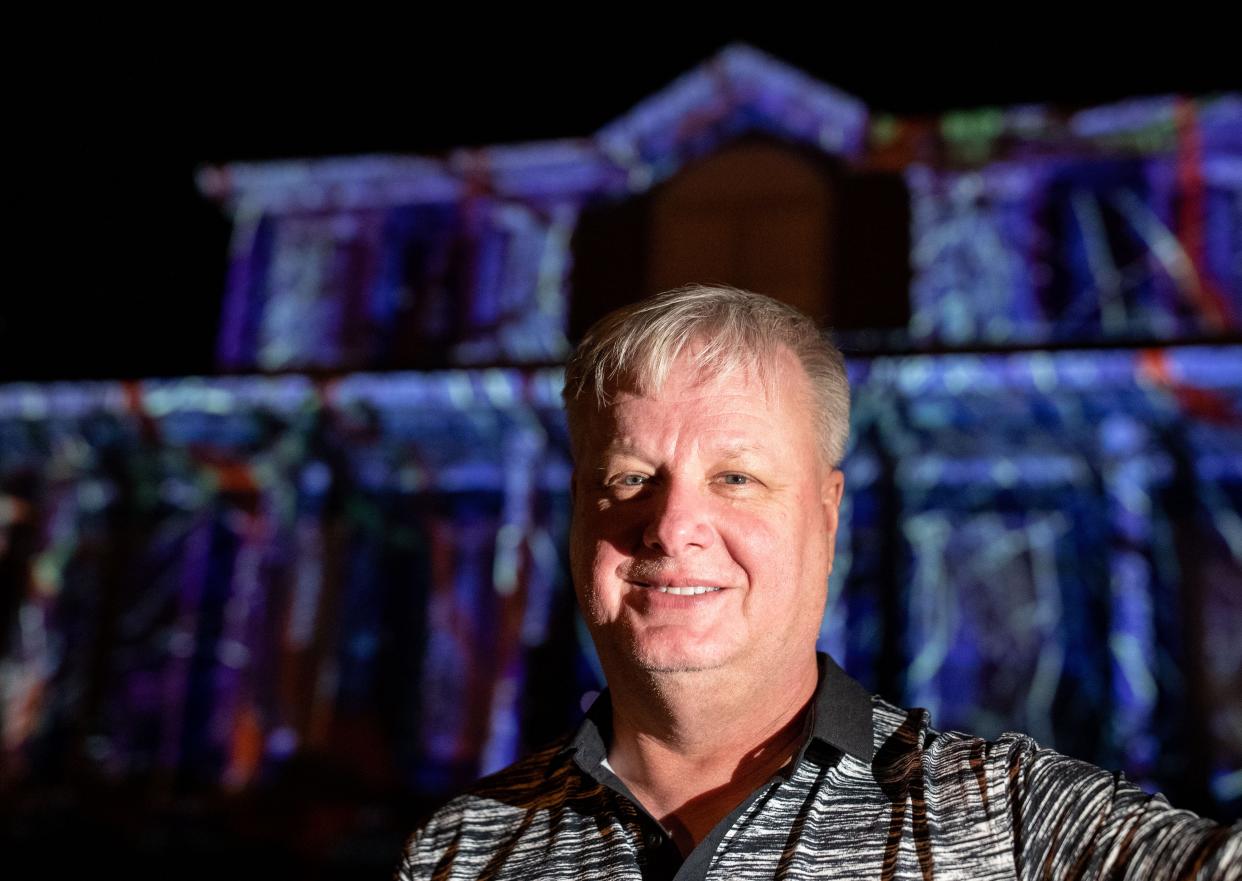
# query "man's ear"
(832, 491)
(834, 487)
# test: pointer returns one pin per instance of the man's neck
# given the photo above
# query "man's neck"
(692, 746)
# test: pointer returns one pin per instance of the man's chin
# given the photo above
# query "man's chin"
(667, 660)
(675, 669)
(663, 651)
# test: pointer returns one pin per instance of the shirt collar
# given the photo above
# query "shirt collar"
(840, 718)
(842, 712)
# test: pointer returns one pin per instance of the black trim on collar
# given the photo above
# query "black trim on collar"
(590, 743)
(842, 711)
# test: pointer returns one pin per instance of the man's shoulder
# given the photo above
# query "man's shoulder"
(900, 732)
(908, 745)
(542, 781)
(513, 812)
(1042, 798)
(547, 773)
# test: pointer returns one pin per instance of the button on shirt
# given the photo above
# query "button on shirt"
(874, 792)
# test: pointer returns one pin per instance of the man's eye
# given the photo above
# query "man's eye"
(736, 479)
(632, 480)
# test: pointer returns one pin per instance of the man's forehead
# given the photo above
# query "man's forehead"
(723, 443)
(765, 393)
(759, 376)
(723, 395)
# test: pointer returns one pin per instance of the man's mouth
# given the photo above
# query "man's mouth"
(687, 591)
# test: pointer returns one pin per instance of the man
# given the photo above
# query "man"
(706, 426)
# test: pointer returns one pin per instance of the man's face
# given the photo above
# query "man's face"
(703, 523)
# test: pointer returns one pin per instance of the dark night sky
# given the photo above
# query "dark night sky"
(122, 262)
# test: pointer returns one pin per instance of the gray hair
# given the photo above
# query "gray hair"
(634, 349)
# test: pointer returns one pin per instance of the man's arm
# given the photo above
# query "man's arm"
(1073, 820)
(435, 850)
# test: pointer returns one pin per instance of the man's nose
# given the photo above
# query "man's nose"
(680, 522)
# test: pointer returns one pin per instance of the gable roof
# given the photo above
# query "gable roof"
(738, 91)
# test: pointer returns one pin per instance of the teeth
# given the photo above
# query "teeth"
(687, 591)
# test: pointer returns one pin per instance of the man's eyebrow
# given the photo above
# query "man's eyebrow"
(736, 450)
(730, 450)
(621, 448)
(617, 449)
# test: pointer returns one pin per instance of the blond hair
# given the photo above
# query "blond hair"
(635, 347)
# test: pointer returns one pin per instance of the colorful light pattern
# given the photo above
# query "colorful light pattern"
(275, 566)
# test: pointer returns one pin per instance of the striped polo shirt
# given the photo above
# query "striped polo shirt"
(874, 792)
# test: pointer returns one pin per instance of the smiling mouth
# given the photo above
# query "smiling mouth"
(692, 590)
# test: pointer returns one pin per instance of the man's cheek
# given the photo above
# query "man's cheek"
(595, 576)
(616, 533)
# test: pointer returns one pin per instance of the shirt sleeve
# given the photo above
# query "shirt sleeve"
(1070, 820)
(413, 865)
(429, 852)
